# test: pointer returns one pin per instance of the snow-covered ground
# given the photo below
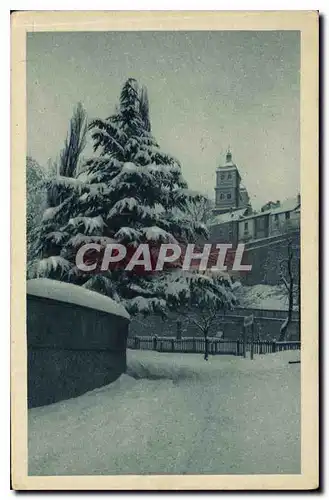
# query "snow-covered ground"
(263, 297)
(176, 414)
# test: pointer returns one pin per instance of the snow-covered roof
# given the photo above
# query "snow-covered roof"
(73, 294)
(287, 205)
(255, 215)
(228, 166)
(228, 216)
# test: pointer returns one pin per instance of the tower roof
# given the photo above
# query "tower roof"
(228, 160)
(228, 156)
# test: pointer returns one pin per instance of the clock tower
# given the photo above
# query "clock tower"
(227, 190)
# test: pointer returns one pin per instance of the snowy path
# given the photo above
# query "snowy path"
(227, 416)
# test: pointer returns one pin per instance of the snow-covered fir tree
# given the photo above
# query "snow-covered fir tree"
(131, 193)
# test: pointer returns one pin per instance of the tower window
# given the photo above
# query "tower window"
(222, 177)
(229, 176)
(228, 196)
(287, 215)
(246, 226)
(222, 196)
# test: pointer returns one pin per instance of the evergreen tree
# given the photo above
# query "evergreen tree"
(131, 193)
(75, 143)
(47, 238)
(36, 198)
(70, 157)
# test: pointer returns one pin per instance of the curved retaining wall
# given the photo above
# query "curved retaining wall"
(72, 348)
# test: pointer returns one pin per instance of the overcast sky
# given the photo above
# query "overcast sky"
(207, 90)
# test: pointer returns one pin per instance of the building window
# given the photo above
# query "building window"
(276, 217)
(222, 177)
(229, 176)
(222, 196)
(287, 215)
(261, 223)
(228, 196)
(246, 226)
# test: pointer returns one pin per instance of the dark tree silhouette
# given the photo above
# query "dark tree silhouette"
(75, 143)
(288, 279)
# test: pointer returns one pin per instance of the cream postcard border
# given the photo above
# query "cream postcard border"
(307, 23)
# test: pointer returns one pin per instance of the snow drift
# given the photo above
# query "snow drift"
(227, 416)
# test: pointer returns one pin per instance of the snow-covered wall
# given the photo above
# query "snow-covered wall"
(66, 292)
(265, 257)
(263, 254)
(76, 342)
